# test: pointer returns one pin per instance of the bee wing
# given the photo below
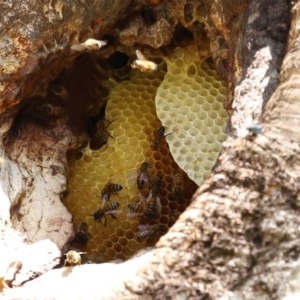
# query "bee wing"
(140, 55)
(113, 212)
(148, 199)
(94, 44)
(78, 47)
(132, 175)
(105, 198)
(158, 205)
(142, 199)
(143, 227)
(144, 176)
(132, 214)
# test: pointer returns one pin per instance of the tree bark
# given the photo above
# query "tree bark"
(239, 239)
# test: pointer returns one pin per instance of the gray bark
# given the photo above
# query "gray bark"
(239, 237)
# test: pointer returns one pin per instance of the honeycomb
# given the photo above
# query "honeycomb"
(189, 103)
(133, 129)
(132, 119)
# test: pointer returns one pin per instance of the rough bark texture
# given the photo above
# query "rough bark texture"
(239, 239)
(35, 46)
(262, 45)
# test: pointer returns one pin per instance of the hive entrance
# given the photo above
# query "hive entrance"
(107, 93)
(131, 111)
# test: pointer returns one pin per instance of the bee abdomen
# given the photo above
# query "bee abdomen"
(156, 185)
(134, 206)
(111, 206)
(151, 211)
(99, 135)
(115, 187)
(111, 188)
(144, 234)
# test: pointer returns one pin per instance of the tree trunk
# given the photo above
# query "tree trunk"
(239, 239)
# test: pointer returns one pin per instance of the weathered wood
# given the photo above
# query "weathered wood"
(239, 238)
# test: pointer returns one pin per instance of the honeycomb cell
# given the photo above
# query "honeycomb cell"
(117, 248)
(193, 132)
(179, 63)
(180, 95)
(111, 254)
(123, 241)
(122, 105)
(204, 147)
(208, 123)
(124, 93)
(151, 89)
(185, 89)
(192, 94)
(156, 83)
(87, 158)
(192, 70)
(109, 244)
(126, 225)
(132, 244)
(185, 82)
(102, 249)
(214, 91)
(174, 89)
(129, 235)
(164, 219)
(182, 151)
(210, 139)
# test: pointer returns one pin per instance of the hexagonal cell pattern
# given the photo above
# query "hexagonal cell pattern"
(131, 111)
(189, 103)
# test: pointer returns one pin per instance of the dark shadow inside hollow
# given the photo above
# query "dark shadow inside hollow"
(118, 60)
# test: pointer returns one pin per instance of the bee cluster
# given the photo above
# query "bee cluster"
(147, 210)
(127, 194)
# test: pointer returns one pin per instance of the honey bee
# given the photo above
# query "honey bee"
(73, 258)
(82, 235)
(143, 176)
(153, 206)
(135, 209)
(89, 44)
(100, 134)
(177, 189)
(110, 208)
(156, 185)
(144, 65)
(109, 188)
(158, 136)
(145, 231)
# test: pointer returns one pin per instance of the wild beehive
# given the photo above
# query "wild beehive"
(186, 98)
